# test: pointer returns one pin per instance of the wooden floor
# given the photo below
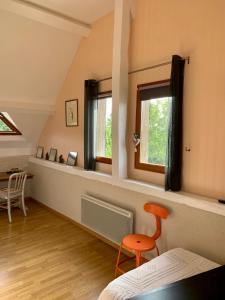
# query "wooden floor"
(44, 256)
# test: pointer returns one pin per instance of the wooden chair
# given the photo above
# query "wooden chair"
(139, 243)
(9, 197)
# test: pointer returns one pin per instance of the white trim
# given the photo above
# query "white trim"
(121, 36)
(46, 16)
(102, 177)
(190, 200)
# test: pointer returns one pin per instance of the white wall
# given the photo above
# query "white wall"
(190, 228)
(7, 163)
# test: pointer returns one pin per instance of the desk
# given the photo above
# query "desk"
(4, 176)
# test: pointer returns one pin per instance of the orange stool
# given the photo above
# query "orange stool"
(139, 243)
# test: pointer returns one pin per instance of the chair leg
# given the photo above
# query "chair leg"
(23, 205)
(9, 211)
(118, 260)
(157, 249)
(138, 258)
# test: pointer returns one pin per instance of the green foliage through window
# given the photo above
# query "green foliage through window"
(154, 130)
(108, 137)
(7, 126)
(4, 127)
(104, 128)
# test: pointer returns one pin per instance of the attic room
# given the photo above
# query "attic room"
(112, 142)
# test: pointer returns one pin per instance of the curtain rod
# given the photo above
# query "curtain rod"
(148, 68)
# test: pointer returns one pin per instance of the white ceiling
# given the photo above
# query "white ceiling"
(87, 11)
(30, 125)
(34, 59)
(35, 55)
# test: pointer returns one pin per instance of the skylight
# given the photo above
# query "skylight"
(7, 125)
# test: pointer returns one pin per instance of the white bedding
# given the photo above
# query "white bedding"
(169, 267)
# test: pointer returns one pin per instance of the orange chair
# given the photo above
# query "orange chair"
(139, 243)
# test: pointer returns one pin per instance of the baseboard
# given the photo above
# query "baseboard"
(98, 236)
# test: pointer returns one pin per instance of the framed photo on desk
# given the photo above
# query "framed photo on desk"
(40, 152)
(53, 154)
(72, 159)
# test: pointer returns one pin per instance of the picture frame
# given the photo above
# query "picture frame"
(71, 113)
(52, 154)
(72, 159)
(40, 152)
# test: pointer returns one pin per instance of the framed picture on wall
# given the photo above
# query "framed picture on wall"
(71, 110)
(72, 159)
(40, 152)
(53, 154)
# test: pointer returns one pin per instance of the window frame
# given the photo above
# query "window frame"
(137, 164)
(14, 131)
(102, 159)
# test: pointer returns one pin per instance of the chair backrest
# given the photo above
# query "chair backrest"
(156, 210)
(160, 213)
(17, 182)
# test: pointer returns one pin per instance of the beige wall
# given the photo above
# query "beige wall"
(161, 28)
(92, 60)
(195, 28)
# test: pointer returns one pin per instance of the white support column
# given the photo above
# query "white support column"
(120, 86)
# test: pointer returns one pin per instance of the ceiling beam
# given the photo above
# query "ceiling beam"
(46, 16)
(27, 107)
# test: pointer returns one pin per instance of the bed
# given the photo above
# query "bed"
(169, 267)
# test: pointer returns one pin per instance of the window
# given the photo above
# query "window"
(153, 106)
(104, 128)
(7, 126)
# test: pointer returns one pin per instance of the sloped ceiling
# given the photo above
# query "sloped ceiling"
(87, 11)
(35, 58)
(30, 125)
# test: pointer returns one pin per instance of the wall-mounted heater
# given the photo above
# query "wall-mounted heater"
(110, 221)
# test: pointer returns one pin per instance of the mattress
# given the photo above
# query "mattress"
(169, 267)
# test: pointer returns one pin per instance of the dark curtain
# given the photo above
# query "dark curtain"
(174, 151)
(90, 98)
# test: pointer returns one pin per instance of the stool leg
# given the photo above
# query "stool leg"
(138, 258)
(118, 260)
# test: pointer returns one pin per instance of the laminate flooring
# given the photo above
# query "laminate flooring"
(44, 256)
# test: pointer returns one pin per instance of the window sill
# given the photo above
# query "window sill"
(190, 200)
(72, 170)
(150, 167)
(104, 160)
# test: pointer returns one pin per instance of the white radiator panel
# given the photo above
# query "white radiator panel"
(110, 221)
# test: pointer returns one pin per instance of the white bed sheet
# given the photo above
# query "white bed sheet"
(169, 267)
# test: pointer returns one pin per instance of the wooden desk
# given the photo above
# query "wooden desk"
(4, 176)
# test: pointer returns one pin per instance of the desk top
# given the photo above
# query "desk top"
(4, 176)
